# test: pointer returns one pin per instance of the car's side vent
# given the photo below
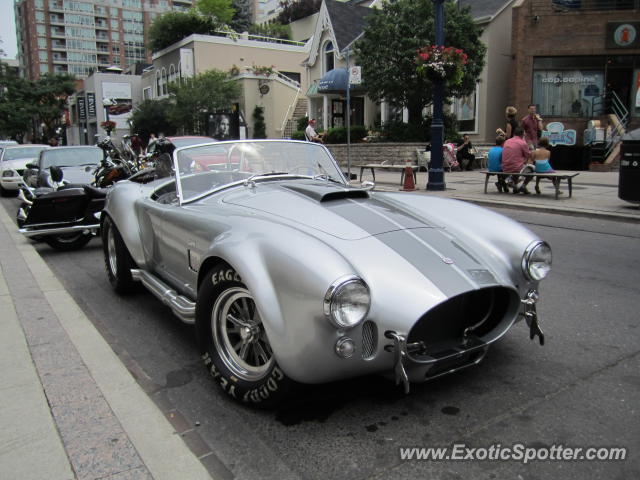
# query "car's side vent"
(369, 339)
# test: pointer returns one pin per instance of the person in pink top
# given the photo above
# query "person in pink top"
(531, 124)
(516, 158)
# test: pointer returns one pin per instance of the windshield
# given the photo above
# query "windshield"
(186, 141)
(23, 152)
(204, 168)
(71, 157)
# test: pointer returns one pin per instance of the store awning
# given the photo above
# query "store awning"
(335, 81)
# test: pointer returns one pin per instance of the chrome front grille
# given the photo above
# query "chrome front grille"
(369, 339)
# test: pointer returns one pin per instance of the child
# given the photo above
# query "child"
(495, 164)
(541, 156)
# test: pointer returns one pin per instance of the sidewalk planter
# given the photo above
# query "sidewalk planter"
(366, 153)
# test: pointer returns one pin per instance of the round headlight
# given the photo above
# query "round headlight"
(536, 261)
(347, 302)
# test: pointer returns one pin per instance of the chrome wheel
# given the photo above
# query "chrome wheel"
(111, 249)
(239, 336)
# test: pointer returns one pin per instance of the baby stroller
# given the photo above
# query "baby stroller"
(449, 161)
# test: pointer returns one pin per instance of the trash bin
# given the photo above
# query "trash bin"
(629, 181)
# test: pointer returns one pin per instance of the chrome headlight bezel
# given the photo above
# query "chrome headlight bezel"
(531, 251)
(332, 296)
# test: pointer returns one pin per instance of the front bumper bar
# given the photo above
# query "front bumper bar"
(45, 231)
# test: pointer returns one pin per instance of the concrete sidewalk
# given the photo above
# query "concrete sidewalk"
(70, 409)
(595, 194)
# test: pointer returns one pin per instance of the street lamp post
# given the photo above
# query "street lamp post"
(435, 181)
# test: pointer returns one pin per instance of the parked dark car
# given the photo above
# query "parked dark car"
(78, 165)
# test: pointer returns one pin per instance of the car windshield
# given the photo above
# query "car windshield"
(22, 152)
(71, 157)
(186, 141)
(204, 168)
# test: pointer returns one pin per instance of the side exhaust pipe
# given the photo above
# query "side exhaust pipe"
(181, 306)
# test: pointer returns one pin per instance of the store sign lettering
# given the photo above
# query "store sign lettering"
(557, 135)
(559, 79)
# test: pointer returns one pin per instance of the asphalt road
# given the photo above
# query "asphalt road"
(581, 389)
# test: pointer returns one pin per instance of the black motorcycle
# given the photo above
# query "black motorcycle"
(67, 216)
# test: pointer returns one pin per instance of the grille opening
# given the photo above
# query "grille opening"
(485, 310)
(369, 339)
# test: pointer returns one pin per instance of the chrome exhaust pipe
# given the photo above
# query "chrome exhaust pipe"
(181, 306)
(33, 231)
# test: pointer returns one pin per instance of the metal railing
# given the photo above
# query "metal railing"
(258, 38)
(291, 109)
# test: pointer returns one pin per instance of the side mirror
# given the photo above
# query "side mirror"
(56, 173)
(32, 166)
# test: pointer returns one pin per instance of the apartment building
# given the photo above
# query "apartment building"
(79, 37)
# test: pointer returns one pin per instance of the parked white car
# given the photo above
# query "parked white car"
(13, 162)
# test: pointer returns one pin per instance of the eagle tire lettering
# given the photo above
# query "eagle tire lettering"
(225, 276)
(267, 392)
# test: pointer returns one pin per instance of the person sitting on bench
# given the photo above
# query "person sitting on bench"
(311, 134)
(464, 153)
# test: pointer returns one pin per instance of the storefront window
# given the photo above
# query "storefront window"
(566, 93)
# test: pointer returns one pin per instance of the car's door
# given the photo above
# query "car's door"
(165, 241)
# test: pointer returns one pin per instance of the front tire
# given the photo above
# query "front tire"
(234, 343)
(68, 242)
(117, 259)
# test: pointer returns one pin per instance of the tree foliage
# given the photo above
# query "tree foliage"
(241, 20)
(151, 116)
(220, 11)
(271, 29)
(293, 10)
(50, 93)
(259, 127)
(193, 97)
(387, 52)
(171, 27)
(25, 103)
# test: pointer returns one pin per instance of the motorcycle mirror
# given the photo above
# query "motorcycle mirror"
(32, 166)
(56, 173)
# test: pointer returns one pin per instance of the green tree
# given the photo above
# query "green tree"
(172, 27)
(50, 94)
(387, 53)
(293, 10)
(241, 20)
(220, 11)
(271, 29)
(16, 104)
(194, 97)
(259, 127)
(152, 116)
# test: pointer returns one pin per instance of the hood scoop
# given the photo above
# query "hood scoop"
(327, 193)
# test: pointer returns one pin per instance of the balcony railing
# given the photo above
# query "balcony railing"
(541, 7)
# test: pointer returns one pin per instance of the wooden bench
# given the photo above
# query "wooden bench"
(555, 177)
(389, 166)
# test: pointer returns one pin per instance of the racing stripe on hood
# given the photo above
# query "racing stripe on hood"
(432, 251)
(375, 216)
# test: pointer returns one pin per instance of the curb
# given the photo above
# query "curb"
(160, 448)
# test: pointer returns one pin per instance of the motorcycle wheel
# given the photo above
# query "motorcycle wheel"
(117, 259)
(68, 242)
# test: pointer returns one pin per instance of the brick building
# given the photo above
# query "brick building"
(570, 56)
(78, 37)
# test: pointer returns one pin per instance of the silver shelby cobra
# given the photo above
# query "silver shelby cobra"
(291, 275)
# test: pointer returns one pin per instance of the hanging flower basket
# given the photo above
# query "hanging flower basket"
(440, 63)
(108, 125)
